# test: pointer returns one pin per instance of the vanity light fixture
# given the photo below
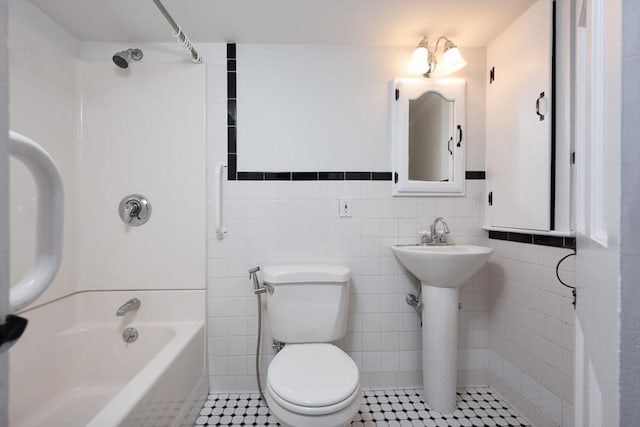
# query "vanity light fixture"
(423, 61)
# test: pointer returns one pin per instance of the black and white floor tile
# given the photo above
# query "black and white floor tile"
(476, 407)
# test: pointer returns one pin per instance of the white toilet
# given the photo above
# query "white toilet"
(310, 382)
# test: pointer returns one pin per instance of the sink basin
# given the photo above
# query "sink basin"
(441, 270)
(442, 266)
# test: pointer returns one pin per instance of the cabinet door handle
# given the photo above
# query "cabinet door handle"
(449, 146)
(540, 98)
(459, 136)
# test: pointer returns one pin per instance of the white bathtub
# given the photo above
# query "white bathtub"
(72, 367)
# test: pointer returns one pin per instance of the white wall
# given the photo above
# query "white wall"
(531, 323)
(294, 222)
(327, 107)
(4, 206)
(598, 260)
(42, 99)
(630, 231)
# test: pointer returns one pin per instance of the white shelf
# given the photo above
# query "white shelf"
(569, 233)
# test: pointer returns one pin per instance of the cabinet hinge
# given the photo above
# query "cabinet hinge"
(397, 94)
(490, 198)
(492, 74)
(395, 177)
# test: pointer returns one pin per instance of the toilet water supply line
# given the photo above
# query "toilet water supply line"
(258, 290)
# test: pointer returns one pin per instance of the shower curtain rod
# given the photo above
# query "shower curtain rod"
(178, 33)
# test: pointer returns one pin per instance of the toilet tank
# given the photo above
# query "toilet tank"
(309, 302)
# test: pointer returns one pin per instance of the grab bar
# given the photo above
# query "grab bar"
(221, 231)
(49, 221)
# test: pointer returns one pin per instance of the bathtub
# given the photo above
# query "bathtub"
(72, 367)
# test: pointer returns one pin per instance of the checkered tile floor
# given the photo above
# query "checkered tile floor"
(476, 407)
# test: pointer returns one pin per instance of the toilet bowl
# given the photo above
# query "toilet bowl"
(310, 382)
(313, 385)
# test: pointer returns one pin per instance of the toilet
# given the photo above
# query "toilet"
(310, 382)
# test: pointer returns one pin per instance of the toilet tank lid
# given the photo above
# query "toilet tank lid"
(294, 273)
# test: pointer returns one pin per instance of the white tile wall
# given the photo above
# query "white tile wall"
(296, 222)
(100, 164)
(161, 156)
(42, 106)
(531, 322)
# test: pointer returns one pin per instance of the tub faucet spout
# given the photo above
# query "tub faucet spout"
(132, 304)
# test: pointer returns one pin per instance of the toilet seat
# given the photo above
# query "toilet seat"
(313, 379)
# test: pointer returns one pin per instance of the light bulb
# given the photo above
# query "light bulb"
(451, 62)
(419, 63)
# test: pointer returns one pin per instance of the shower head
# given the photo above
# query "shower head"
(121, 59)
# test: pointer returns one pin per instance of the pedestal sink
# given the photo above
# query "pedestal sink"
(441, 270)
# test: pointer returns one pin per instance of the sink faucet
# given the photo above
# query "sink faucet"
(132, 304)
(439, 237)
(436, 237)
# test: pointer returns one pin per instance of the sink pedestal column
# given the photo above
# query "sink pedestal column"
(439, 347)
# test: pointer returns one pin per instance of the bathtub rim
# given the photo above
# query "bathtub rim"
(116, 411)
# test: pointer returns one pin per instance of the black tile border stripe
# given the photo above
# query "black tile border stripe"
(231, 51)
(381, 176)
(331, 176)
(475, 175)
(232, 146)
(308, 176)
(232, 135)
(250, 176)
(534, 239)
(304, 176)
(357, 176)
(277, 176)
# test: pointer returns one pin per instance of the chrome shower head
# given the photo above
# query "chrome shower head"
(121, 59)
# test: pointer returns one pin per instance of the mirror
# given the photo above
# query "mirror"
(428, 138)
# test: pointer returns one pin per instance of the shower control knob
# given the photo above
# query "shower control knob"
(134, 209)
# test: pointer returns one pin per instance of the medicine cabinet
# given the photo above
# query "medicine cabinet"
(428, 144)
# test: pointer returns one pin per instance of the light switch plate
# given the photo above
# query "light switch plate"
(345, 206)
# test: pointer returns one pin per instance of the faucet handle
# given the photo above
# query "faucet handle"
(425, 236)
(132, 210)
